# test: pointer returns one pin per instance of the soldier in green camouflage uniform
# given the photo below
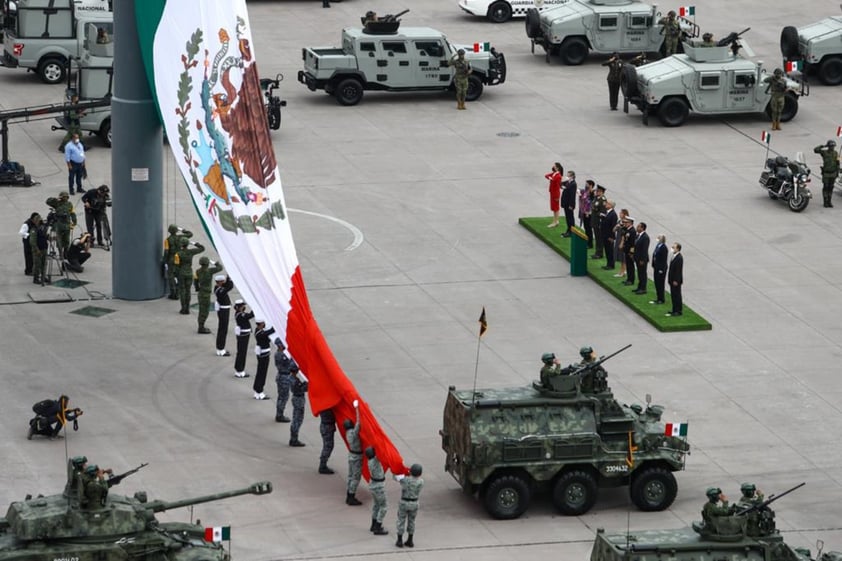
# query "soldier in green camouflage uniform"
(595, 379)
(830, 169)
(95, 487)
(73, 127)
(408, 507)
(377, 486)
(355, 456)
(758, 521)
(777, 86)
(717, 505)
(204, 287)
(598, 209)
(615, 71)
(170, 249)
(183, 261)
(550, 369)
(462, 70)
(671, 31)
(65, 220)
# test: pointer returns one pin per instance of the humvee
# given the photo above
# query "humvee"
(381, 56)
(707, 80)
(499, 11)
(579, 27)
(819, 46)
(508, 444)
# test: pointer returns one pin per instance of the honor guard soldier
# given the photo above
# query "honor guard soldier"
(284, 364)
(263, 350)
(184, 263)
(223, 285)
(204, 286)
(830, 169)
(408, 507)
(355, 457)
(377, 486)
(242, 330)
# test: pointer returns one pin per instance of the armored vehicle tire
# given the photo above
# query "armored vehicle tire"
(830, 71)
(349, 91)
(653, 489)
(506, 497)
(52, 70)
(533, 23)
(673, 112)
(789, 42)
(474, 88)
(500, 12)
(574, 51)
(575, 493)
(790, 108)
(105, 132)
(798, 202)
(628, 80)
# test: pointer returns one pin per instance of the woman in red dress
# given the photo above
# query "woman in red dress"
(555, 192)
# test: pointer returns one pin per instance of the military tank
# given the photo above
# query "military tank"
(67, 527)
(568, 436)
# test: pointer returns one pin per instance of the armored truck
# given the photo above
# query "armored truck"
(499, 11)
(383, 56)
(567, 438)
(579, 27)
(705, 80)
(43, 35)
(818, 47)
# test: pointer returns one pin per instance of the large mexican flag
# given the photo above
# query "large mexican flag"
(202, 69)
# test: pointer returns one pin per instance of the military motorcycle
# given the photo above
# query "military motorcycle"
(273, 102)
(786, 180)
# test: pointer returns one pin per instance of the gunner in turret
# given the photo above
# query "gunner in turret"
(716, 506)
(707, 40)
(96, 487)
(595, 379)
(551, 368)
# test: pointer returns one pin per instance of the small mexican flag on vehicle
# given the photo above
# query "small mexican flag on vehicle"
(482, 47)
(794, 66)
(676, 429)
(218, 534)
(838, 131)
(765, 137)
(685, 11)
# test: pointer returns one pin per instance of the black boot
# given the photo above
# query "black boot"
(324, 469)
(379, 530)
(351, 500)
(373, 525)
(399, 543)
(409, 541)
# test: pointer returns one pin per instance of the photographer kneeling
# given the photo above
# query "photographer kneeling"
(78, 253)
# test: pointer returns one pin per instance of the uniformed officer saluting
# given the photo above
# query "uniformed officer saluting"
(462, 70)
(242, 318)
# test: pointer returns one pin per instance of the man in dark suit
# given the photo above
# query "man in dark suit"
(607, 231)
(568, 201)
(659, 264)
(675, 276)
(641, 257)
(629, 237)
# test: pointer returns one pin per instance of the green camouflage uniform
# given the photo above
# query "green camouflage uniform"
(170, 249)
(672, 32)
(753, 518)
(204, 288)
(548, 371)
(73, 126)
(96, 490)
(777, 86)
(355, 456)
(830, 171)
(65, 222)
(183, 261)
(462, 69)
(377, 486)
(713, 509)
(408, 507)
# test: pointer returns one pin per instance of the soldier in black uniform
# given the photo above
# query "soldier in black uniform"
(283, 379)
(242, 319)
(223, 285)
(263, 350)
(598, 209)
(629, 237)
(615, 70)
(299, 391)
(327, 428)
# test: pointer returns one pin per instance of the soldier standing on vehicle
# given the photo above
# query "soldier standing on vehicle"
(830, 170)
(355, 456)
(462, 70)
(551, 368)
(596, 379)
(671, 30)
(707, 40)
(751, 495)
(377, 486)
(777, 86)
(615, 70)
(204, 286)
(408, 507)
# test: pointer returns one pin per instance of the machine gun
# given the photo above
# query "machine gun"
(116, 479)
(732, 39)
(394, 17)
(767, 502)
(584, 369)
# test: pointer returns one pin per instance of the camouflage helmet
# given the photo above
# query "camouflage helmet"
(671, 13)
(586, 352)
(415, 470)
(182, 242)
(172, 229)
(369, 452)
(779, 72)
(831, 143)
(204, 261)
(461, 52)
(707, 36)
(64, 195)
(748, 489)
(92, 469)
(713, 492)
(79, 461)
(547, 358)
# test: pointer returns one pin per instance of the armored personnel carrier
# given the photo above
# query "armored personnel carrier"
(734, 537)
(818, 46)
(70, 527)
(567, 436)
(706, 80)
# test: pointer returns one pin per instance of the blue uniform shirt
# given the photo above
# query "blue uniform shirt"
(74, 152)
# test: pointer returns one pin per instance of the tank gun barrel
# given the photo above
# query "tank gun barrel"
(770, 500)
(259, 488)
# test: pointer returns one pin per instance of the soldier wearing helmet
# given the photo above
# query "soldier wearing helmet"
(551, 368)
(707, 40)
(594, 379)
(65, 220)
(183, 261)
(95, 489)
(408, 507)
(462, 69)
(171, 246)
(203, 280)
(671, 30)
(777, 87)
(716, 506)
(830, 169)
(377, 485)
(751, 495)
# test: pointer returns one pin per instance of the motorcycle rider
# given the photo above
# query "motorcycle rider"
(830, 169)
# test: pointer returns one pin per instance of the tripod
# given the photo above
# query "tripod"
(54, 264)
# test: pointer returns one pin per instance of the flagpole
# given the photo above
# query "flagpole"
(768, 142)
(476, 371)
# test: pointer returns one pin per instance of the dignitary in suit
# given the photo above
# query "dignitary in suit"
(569, 190)
(606, 228)
(629, 237)
(641, 257)
(675, 276)
(659, 265)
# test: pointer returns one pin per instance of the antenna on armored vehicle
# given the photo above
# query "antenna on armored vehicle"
(483, 327)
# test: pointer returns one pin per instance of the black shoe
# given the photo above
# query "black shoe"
(351, 500)
(565, 235)
(379, 530)
(80, 190)
(673, 314)
(409, 542)
(325, 470)
(656, 301)
(184, 312)
(72, 192)
(399, 543)
(607, 268)
(281, 419)
(373, 525)
(173, 296)
(296, 443)
(203, 330)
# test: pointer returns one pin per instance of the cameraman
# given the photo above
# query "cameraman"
(95, 202)
(79, 252)
(65, 220)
